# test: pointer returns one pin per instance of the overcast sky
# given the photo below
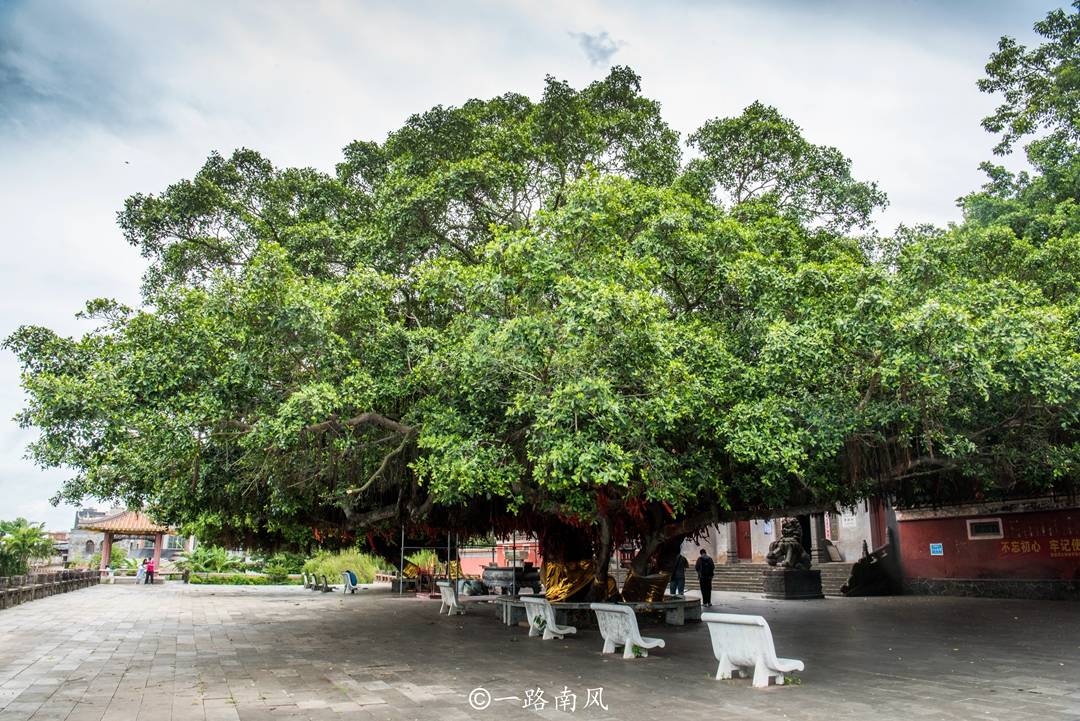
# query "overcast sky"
(99, 100)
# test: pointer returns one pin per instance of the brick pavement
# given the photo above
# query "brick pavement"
(184, 653)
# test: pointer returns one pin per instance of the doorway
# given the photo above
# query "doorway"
(877, 523)
(742, 540)
(805, 538)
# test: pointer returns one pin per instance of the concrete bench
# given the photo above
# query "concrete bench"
(741, 641)
(618, 626)
(18, 589)
(541, 617)
(22, 588)
(317, 583)
(52, 583)
(14, 590)
(7, 593)
(454, 602)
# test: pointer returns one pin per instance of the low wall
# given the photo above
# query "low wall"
(1036, 554)
(1029, 589)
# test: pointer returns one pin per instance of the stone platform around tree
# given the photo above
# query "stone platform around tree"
(181, 653)
(676, 611)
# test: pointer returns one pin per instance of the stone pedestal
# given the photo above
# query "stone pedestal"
(792, 583)
(408, 585)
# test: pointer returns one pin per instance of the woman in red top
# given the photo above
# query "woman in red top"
(150, 571)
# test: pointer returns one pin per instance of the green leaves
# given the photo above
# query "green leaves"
(20, 543)
(522, 314)
(761, 157)
(1040, 86)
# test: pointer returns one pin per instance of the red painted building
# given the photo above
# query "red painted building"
(507, 552)
(1026, 548)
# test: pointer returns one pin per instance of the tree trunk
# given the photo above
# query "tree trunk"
(661, 544)
(668, 552)
(602, 559)
(562, 542)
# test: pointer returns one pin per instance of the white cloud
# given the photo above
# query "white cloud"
(598, 47)
(85, 87)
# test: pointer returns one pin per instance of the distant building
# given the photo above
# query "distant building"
(60, 548)
(82, 544)
(517, 550)
(830, 536)
(1017, 548)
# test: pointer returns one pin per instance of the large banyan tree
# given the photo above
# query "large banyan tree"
(538, 316)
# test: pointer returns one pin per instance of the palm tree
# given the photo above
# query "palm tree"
(21, 542)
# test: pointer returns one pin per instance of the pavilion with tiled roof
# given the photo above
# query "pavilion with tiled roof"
(127, 524)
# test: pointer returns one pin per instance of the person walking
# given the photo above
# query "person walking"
(705, 569)
(678, 575)
(150, 571)
(140, 575)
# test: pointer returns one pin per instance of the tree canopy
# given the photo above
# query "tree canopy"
(534, 315)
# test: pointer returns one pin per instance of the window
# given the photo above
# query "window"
(89, 548)
(980, 528)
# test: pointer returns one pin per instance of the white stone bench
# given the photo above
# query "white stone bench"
(618, 626)
(541, 617)
(454, 602)
(741, 641)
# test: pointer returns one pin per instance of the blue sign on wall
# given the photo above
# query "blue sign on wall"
(937, 549)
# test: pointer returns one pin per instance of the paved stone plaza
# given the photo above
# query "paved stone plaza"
(201, 652)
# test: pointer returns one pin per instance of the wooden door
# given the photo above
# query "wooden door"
(742, 540)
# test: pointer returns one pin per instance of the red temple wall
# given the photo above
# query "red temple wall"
(473, 561)
(1037, 545)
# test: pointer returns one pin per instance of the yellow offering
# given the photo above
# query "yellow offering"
(563, 581)
(645, 588)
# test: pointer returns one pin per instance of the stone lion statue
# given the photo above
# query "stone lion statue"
(787, 551)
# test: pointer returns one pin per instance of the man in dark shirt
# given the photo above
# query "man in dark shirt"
(705, 568)
(678, 575)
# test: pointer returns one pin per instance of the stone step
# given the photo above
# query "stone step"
(747, 578)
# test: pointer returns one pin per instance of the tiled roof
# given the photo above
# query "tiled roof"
(125, 522)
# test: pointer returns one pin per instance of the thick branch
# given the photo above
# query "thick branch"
(385, 463)
(370, 418)
(379, 514)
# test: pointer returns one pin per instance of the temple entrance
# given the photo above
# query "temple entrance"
(806, 539)
(877, 522)
(742, 540)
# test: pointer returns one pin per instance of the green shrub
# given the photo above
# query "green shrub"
(291, 562)
(276, 574)
(426, 560)
(209, 559)
(239, 579)
(331, 565)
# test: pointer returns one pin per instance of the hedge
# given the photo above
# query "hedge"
(239, 579)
